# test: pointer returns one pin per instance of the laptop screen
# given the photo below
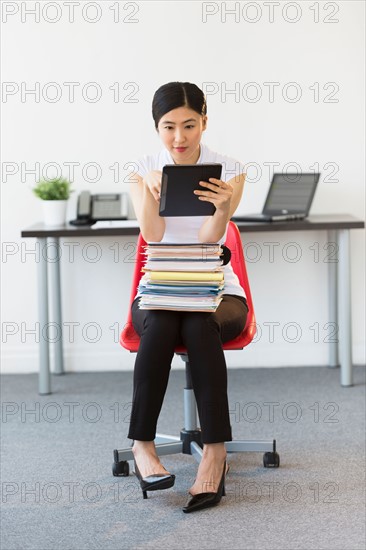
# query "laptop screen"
(291, 193)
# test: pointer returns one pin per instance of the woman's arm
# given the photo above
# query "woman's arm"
(145, 196)
(226, 199)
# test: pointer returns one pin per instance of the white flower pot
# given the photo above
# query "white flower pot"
(54, 213)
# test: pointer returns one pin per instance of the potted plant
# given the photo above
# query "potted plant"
(54, 194)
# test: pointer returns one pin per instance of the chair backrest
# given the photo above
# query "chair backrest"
(129, 338)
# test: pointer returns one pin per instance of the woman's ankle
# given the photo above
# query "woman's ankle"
(147, 459)
(143, 446)
(214, 450)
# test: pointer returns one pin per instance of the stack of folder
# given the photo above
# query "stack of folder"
(182, 277)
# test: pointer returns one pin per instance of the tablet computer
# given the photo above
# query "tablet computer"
(177, 185)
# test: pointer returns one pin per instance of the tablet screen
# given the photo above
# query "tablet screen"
(177, 185)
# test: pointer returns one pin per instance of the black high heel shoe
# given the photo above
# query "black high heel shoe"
(155, 482)
(206, 500)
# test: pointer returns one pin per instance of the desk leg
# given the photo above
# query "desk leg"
(344, 307)
(56, 303)
(333, 300)
(44, 385)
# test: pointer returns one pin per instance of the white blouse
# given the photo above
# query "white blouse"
(186, 228)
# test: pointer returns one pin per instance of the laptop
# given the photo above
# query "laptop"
(289, 198)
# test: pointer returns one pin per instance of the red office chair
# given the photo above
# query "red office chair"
(190, 441)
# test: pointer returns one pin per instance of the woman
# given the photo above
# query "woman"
(180, 115)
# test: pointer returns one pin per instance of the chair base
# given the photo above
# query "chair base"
(190, 443)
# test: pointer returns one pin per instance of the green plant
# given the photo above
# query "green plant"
(57, 189)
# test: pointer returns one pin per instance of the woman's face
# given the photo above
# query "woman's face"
(180, 130)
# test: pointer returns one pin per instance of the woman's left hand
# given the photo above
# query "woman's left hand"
(216, 191)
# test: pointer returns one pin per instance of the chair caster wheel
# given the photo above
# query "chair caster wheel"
(271, 460)
(121, 469)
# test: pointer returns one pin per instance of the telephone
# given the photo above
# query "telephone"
(103, 206)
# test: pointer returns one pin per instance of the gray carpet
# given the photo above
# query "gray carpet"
(58, 491)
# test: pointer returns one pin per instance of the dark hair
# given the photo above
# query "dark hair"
(177, 94)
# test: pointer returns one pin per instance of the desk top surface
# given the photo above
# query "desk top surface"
(130, 227)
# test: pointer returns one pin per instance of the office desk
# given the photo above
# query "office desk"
(338, 227)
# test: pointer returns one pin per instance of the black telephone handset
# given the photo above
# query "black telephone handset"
(104, 206)
(83, 210)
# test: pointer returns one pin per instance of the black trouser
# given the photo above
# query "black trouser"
(202, 334)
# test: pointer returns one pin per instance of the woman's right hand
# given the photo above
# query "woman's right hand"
(152, 181)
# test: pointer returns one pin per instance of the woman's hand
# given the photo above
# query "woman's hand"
(146, 206)
(218, 192)
(152, 181)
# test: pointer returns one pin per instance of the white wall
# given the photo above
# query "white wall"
(316, 46)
